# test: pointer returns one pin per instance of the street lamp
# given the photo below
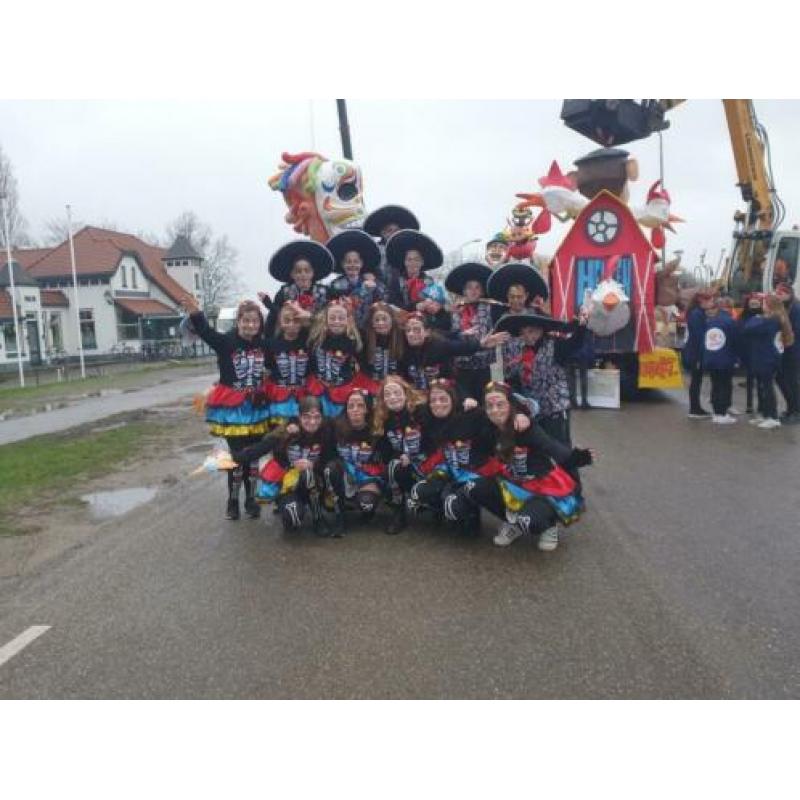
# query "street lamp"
(4, 201)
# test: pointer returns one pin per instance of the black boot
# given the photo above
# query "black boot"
(339, 527)
(472, 524)
(234, 482)
(251, 507)
(398, 521)
(318, 521)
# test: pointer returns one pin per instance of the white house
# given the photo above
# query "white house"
(128, 294)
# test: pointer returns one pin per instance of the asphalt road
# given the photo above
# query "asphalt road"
(681, 581)
(89, 409)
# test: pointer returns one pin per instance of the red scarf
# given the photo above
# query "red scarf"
(469, 313)
(306, 300)
(528, 357)
(415, 286)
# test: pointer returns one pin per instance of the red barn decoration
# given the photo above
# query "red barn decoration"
(604, 229)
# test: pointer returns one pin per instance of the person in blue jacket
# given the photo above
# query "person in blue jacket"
(753, 307)
(692, 353)
(719, 357)
(788, 377)
(767, 337)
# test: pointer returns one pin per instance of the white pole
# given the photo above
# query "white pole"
(75, 287)
(13, 291)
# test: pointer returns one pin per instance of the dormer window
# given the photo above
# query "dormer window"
(124, 278)
(133, 278)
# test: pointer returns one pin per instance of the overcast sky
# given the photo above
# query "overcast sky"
(456, 164)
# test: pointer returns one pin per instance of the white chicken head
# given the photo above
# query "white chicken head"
(609, 309)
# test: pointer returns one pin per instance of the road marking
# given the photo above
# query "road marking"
(8, 651)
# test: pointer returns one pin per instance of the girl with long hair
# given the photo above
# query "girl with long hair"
(766, 337)
(399, 424)
(292, 478)
(237, 408)
(534, 491)
(288, 356)
(356, 473)
(384, 344)
(334, 344)
(357, 259)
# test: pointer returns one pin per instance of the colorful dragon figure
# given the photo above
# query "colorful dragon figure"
(324, 197)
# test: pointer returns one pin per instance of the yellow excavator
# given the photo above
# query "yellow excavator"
(762, 255)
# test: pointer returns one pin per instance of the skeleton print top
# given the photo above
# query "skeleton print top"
(242, 364)
(402, 436)
(360, 296)
(474, 315)
(333, 361)
(382, 362)
(289, 360)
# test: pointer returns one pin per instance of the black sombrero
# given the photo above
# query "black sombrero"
(386, 215)
(283, 259)
(506, 276)
(403, 241)
(361, 242)
(514, 323)
(470, 271)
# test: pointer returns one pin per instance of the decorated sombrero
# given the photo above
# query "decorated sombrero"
(469, 271)
(361, 242)
(284, 258)
(386, 215)
(515, 272)
(514, 323)
(403, 241)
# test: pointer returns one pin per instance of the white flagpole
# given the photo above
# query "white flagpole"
(75, 287)
(13, 291)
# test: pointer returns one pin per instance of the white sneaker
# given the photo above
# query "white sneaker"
(757, 419)
(735, 412)
(768, 423)
(723, 419)
(548, 540)
(508, 534)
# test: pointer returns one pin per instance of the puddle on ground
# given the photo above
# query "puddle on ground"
(118, 502)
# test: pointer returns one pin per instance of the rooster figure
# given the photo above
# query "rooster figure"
(656, 215)
(609, 306)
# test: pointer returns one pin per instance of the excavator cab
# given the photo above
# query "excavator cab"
(614, 122)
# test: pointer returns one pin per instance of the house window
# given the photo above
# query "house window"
(30, 298)
(88, 337)
(124, 277)
(56, 340)
(133, 278)
(11, 339)
(197, 281)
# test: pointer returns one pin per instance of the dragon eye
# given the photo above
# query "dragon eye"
(347, 191)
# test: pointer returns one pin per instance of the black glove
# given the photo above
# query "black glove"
(578, 458)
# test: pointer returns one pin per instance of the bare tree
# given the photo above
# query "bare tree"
(56, 230)
(220, 279)
(17, 224)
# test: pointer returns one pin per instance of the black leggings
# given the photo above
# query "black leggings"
(721, 390)
(366, 500)
(401, 478)
(536, 516)
(695, 385)
(246, 472)
(293, 505)
(788, 380)
(465, 500)
(767, 400)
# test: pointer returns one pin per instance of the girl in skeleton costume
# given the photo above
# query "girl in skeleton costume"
(357, 473)
(535, 491)
(383, 347)
(289, 361)
(410, 255)
(429, 356)
(237, 407)
(299, 266)
(521, 288)
(382, 224)
(403, 443)
(357, 258)
(334, 343)
(292, 478)
(472, 318)
(539, 371)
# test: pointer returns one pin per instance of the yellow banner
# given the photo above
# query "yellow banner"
(660, 369)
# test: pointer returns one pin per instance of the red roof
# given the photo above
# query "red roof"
(53, 297)
(146, 307)
(6, 311)
(27, 258)
(98, 252)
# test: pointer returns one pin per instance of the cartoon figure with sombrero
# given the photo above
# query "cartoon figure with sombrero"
(538, 370)
(357, 260)
(299, 265)
(411, 254)
(472, 317)
(382, 224)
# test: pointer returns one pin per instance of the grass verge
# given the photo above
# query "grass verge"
(46, 466)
